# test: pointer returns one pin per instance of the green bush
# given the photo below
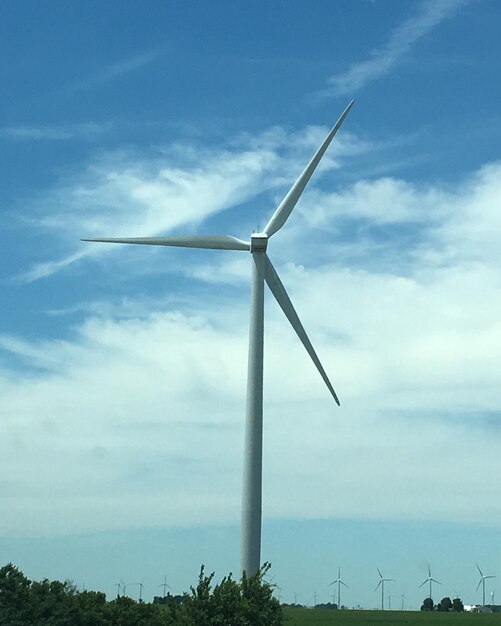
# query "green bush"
(249, 602)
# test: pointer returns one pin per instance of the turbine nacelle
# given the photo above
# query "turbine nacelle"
(258, 242)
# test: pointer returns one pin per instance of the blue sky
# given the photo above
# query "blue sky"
(122, 371)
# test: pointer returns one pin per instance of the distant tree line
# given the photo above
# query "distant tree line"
(445, 605)
(327, 605)
(248, 602)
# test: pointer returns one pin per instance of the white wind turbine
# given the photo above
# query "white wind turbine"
(165, 585)
(141, 587)
(429, 580)
(338, 582)
(262, 271)
(482, 582)
(381, 582)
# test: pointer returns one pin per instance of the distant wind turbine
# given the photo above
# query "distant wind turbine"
(381, 582)
(165, 585)
(141, 587)
(429, 580)
(262, 271)
(338, 582)
(482, 582)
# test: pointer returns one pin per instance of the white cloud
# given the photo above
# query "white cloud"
(138, 419)
(382, 201)
(382, 60)
(125, 194)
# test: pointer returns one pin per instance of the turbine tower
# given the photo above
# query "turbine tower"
(262, 271)
(429, 580)
(381, 582)
(338, 582)
(482, 582)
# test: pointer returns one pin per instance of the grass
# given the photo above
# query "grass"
(327, 617)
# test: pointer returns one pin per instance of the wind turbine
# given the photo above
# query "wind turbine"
(429, 580)
(482, 582)
(165, 585)
(338, 582)
(381, 582)
(141, 587)
(262, 271)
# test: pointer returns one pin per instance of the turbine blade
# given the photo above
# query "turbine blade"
(379, 583)
(423, 583)
(479, 583)
(343, 583)
(479, 569)
(214, 242)
(379, 572)
(436, 581)
(285, 208)
(278, 290)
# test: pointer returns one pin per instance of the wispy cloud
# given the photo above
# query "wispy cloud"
(49, 132)
(115, 70)
(381, 60)
(47, 268)
(137, 195)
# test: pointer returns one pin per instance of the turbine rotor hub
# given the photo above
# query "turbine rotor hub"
(259, 242)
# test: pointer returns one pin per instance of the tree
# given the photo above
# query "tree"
(427, 605)
(14, 597)
(249, 602)
(457, 605)
(124, 611)
(445, 604)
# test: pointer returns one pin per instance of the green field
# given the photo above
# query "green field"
(325, 617)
